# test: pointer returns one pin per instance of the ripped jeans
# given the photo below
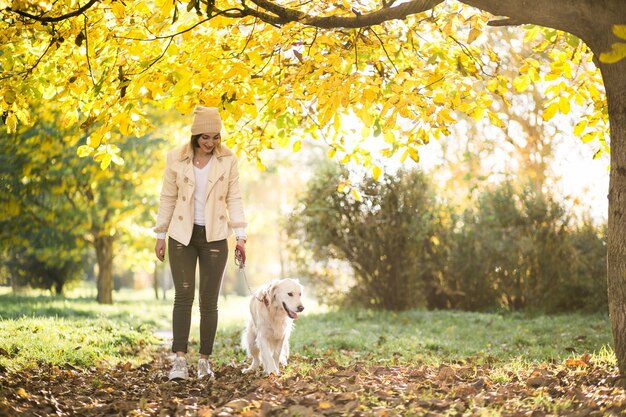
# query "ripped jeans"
(183, 260)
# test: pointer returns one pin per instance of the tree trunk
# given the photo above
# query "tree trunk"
(58, 287)
(104, 255)
(614, 76)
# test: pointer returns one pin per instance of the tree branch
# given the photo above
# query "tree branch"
(87, 54)
(42, 18)
(279, 15)
(382, 44)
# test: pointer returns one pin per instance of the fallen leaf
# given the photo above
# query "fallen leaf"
(325, 405)
(22, 393)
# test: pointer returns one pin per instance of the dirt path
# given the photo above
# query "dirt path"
(326, 390)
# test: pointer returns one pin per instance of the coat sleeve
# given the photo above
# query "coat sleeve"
(234, 203)
(169, 194)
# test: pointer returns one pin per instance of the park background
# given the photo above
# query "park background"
(470, 273)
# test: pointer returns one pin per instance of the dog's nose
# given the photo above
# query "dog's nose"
(300, 308)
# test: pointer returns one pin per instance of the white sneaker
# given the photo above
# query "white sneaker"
(179, 369)
(204, 369)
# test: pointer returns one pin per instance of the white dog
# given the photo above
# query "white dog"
(272, 309)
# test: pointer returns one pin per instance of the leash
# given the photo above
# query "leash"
(240, 261)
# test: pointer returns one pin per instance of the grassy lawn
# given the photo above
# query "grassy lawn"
(39, 329)
(113, 360)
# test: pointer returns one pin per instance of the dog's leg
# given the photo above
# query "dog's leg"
(276, 353)
(284, 353)
(267, 356)
(252, 349)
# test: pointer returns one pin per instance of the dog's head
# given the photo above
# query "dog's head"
(287, 294)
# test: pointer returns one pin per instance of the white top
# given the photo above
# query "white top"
(199, 194)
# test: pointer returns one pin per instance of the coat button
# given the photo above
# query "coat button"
(222, 217)
(221, 198)
(180, 217)
(186, 179)
(222, 178)
(184, 198)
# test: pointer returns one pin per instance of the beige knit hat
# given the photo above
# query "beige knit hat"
(206, 120)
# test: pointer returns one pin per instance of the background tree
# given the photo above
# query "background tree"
(385, 231)
(519, 249)
(59, 203)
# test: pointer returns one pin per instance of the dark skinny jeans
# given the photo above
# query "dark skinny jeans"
(183, 261)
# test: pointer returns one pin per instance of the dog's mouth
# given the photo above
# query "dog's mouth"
(292, 314)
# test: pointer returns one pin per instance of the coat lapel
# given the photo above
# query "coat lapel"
(216, 173)
(186, 156)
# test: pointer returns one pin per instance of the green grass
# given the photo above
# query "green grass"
(433, 337)
(39, 329)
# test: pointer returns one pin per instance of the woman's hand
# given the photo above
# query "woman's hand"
(240, 253)
(159, 249)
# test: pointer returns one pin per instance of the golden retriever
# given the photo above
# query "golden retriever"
(273, 307)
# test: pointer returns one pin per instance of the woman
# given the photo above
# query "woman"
(200, 203)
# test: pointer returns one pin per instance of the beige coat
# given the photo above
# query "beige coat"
(223, 209)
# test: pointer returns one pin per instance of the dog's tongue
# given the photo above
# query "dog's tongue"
(293, 315)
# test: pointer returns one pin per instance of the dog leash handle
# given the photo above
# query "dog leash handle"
(240, 256)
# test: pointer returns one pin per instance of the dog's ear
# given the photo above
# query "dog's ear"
(263, 297)
(271, 291)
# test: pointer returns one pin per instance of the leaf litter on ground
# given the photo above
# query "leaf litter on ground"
(319, 387)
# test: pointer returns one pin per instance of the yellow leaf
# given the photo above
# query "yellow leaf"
(377, 172)
(580, 127)
(297, 145)
(620, 31)
(564, 106)
(11, 122)
(118, 9)
(106, 161)
(447, 29)
(575, 363)
(10, 96)
(617, 53)
(23, 116)
(579, 99)
(22, 393)
(341, 187)
(478, 113)
(550, 111)
(84, 150)
(444, 116)
(474, 33)
(492, 85)
(356, 195)
(521, 83)
(332, 152)
(439, 98)
(325, 405)
(93, 141)
(182, 87)
(588, 137)
(70, 118)
(495, 119)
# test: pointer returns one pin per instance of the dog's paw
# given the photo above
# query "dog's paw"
(272, 372)
(249, 370)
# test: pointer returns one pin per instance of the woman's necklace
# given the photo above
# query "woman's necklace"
(198, 161)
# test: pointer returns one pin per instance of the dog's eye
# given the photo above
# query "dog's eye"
(290, 294)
